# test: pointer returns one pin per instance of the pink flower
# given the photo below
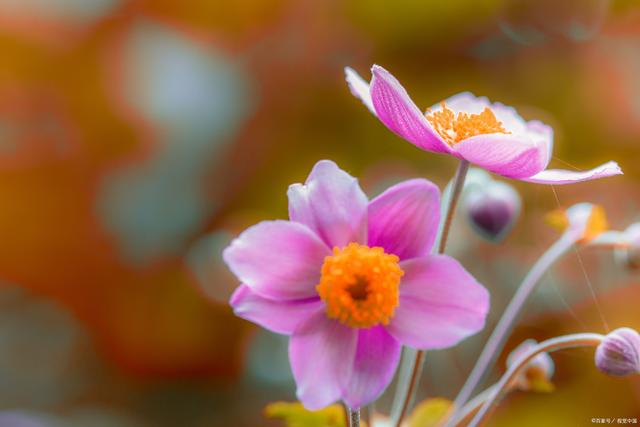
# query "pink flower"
(490, 135)
(351, 280)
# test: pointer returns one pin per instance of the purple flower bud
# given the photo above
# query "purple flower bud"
(619, 353)
(492, 209)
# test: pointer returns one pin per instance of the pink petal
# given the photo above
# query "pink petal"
(542, 135)
(507, 155)
(330, 203)
(321, 352)
(398, 112)
(560, 176)
(277, 316)
(404, 219)
(359, 88)
(278, 259)
(440, 304)
(377, 356)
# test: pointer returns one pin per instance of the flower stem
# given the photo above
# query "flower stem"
(553, 344)
(354, 417)
(496, 340)
(458, 185)
(470, 409)
(407, 388)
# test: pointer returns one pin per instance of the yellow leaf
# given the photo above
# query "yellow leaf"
(431, 413)
(296, 415)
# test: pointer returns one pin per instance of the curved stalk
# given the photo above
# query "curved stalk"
(496, 340)
(471, 408)
(407, 388)
(553, 344)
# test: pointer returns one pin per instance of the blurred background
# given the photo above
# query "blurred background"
(138, 136)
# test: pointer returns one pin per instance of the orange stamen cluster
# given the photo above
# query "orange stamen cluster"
(454, 129)
(596, 223)
(359, 285)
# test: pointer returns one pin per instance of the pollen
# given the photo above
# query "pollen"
(454, 129)
(360, 285)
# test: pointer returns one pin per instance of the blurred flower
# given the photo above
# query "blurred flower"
(536, 375)
(491, 206)
(625, 243)
(629, 256)
(39, 345)
(490, 135)
(619, 353)
(347, 311)
(586, 221)
(205, 261)
(54, 21)
(195, 97)
(19, 419)
(618, 239)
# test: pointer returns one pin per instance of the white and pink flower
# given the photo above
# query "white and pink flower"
(492, 136)
(351, 281)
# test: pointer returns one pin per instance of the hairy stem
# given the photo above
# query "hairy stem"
(354, 417)
(407, 388)
(553, 344)
(496, 340)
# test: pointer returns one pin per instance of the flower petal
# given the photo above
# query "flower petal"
(542, 135)
(332, 204)
(512, 156)
(319, 351)
(404, 219)
(440, 304)
(377, 356)
(277, 259)
(278, 316)
(559, 176)
(398, 112)
(359, 88)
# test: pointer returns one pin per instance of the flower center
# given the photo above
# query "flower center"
(359, 285)
(596, 223)
(455, 129)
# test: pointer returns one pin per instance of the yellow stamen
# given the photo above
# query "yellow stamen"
(596, 224)
(359, 285)
(455, 129)
(557, 219)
